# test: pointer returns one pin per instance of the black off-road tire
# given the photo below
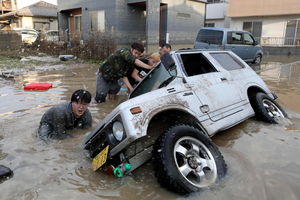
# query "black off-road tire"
(168, 158)
(266, 109)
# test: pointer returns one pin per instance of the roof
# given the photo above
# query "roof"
(39, 9)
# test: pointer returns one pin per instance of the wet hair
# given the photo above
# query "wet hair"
(166, 45)
(138, 46)
(82, 96)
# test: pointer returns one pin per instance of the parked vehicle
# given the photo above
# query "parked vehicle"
(52, 35)
(171, 114)
(29, 36)
(240, 42)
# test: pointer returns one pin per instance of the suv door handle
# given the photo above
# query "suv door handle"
(223, 79)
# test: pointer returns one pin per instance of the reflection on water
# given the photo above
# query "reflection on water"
(261, 158)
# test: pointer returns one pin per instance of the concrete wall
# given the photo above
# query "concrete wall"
(288, 51)
(9, 40)
(184, 20)
(28, 22)
(128, 22)
(87, 6)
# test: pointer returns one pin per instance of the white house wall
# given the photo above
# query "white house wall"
(271, 26)
(27, 22)
(216, 11)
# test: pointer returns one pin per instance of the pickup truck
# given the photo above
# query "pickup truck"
(172, 114)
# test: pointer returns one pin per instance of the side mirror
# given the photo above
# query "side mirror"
(167, 61)
(255, 43)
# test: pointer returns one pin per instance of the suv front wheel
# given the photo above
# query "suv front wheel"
(185, 160)
(257, 59)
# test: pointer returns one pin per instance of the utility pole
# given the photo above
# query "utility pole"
(2, 7)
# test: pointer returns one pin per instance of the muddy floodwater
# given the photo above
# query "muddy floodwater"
(263, 160)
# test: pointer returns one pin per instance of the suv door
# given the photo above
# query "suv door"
(249, 41)
(219, 97)
(235, 44)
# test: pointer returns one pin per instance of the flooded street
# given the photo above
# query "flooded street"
(262, 159)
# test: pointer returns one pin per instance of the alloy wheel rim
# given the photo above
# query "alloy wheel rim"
(195, 162)
(272, 109)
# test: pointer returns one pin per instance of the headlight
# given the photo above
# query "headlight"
(118, 130)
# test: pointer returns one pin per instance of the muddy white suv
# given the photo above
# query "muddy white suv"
(172, 113)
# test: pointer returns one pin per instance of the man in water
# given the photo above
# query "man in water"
(66, 116)
(164, 49)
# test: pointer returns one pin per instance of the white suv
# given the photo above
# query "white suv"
(184, 100)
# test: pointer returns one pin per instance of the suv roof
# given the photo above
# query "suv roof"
(223, 29)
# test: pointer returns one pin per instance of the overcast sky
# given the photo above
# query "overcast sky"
(24, 3)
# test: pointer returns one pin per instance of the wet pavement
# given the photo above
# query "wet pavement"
(262, 159)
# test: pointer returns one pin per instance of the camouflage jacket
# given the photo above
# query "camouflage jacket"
(117, 65)
(60, 118)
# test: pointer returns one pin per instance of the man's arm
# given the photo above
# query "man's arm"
(127, 83)
(44, 131)
(141, 64)
(135, 75)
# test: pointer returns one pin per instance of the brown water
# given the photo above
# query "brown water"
(263, 160)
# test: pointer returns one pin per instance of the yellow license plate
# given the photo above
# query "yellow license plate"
(100, 159)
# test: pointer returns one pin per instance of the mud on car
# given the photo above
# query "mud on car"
(171, 115)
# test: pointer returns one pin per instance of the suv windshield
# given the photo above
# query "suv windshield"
(210, 36)
(157, 78)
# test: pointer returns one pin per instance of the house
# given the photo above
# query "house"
(216, 14)
(41, 16)
(5, 7)
(148, 21)
(275, 23)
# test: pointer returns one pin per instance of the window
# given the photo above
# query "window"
(216, 1)
(97, 20)
(248, 39)
(184, 15)
(235, 38)
(77, 23)
(157, 78)
(292, 32)
(254, 27)
(227, 61)
(210, 36)
(209, 25)
(195, 64)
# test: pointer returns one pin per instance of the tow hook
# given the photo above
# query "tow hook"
(122, 169)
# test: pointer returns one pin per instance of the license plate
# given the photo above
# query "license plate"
(100, 159)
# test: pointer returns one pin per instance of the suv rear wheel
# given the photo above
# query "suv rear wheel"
(266, 109)
(186, 160)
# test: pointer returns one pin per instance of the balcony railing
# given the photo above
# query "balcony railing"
(5, 5)
(279, 41)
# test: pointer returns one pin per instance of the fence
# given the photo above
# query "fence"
(279, 41)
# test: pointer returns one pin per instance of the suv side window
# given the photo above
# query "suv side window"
(227, 61)
(248, 39)
(235, 38)
(196, 63)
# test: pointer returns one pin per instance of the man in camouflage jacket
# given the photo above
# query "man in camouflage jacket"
(116, 67)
